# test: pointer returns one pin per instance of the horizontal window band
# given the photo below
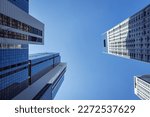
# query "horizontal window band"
(12, 72)
(44, 61)
(13, 66)
(20, 69)
(19, 36)
(13, 23)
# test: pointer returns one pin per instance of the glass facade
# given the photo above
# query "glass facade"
(13, 72)
(22, 4)
(18, 71)
(49, 92)
(46, 87)
(13, 57)
(131, 38)
(41, 64)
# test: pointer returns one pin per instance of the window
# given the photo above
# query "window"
(10, 22)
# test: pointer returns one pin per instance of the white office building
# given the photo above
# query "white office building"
(142, 87)
(130, 38)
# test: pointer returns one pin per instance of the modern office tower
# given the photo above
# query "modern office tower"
(131, 38)
(17, 30)
(46, 74)
(142, 87)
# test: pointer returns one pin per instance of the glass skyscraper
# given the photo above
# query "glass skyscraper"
(18, 71)
(46, 74)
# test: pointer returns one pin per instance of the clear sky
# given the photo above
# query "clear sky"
(74, 28)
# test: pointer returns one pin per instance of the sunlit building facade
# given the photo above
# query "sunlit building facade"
(131, 38)
(142, 87)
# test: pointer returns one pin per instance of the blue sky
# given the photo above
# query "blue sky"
(74, 28)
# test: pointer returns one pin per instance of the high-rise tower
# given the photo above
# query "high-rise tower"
(18, 29)
(131, 38)
(142, 87)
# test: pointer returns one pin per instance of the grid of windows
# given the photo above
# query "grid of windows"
(142, 88)
(13, 84)
(131, 38)
(13, 72)
(13, 23)
(16, 71)
(117, 38)
(12, 56)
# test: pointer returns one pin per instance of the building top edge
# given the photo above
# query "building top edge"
(30, 92)
(128, 18)
(145, 78)
(40, 55)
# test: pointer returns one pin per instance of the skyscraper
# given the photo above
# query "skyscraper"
(142, 87)
(46, 75)
(17, 30)
(130, 38)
